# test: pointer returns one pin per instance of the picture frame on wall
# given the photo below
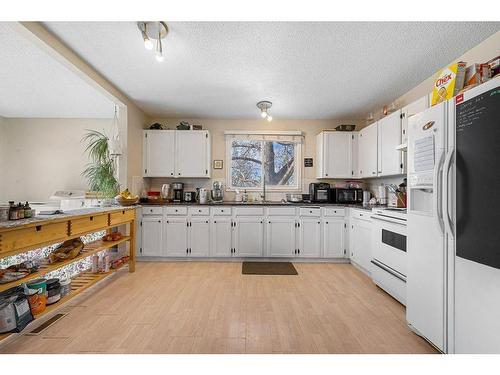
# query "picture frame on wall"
(218, 164)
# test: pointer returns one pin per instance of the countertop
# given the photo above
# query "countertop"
(267, 203)
(60, 217)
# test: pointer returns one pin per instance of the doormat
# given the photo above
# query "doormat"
(268, 268)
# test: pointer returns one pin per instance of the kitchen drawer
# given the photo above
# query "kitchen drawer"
(177, 210)
(119, 217)
(221, 211)
(334, 211)
(199, 211)
(392, 284)
(249, 211)
(281, 211)
(32, 236)
(310, 211)
(361, 214)
(88, 224)
(152, 210)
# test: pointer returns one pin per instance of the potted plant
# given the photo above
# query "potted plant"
(100, 171)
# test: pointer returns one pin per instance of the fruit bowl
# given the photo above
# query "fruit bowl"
(126, 201)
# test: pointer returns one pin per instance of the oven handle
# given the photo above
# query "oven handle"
(392, 221)
(389, 270)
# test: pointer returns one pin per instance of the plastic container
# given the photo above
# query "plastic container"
(53, 291)
(65, 287)
(37, 295)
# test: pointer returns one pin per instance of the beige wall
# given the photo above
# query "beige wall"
(136, 118)
(39, 156)
(310, 128)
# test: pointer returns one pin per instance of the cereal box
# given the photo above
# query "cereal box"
(449, 82)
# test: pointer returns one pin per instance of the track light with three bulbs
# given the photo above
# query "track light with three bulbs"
(153, 32)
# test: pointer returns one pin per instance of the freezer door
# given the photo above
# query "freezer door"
(476, 308)
(478, 180)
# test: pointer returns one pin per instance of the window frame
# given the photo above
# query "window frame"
(297, 187)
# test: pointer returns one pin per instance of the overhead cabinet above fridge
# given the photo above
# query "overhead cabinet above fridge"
(176, 153)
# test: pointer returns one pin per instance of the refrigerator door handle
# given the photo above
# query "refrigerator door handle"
(438, 175)
(446, 188)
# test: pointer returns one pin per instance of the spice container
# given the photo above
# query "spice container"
(53, 291)
(4, 213)
(12, 211)
(65, 287)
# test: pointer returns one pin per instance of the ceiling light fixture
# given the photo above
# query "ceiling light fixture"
(152, 34)
(264, 109)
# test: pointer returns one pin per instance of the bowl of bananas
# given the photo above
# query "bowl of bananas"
(125, 198)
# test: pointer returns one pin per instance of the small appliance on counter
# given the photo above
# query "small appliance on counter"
(319, 192)
(294, 198)
(189, 196)
(366, 197)
(346, 195)
(178, 189)
(201, 195)
(165, 191)
(217, 192)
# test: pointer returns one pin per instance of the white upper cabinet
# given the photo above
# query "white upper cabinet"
(410, 110)
(158, 153)
(389, 159)
(176, 153)
(193, 153)
(334, 154)
(367, 151)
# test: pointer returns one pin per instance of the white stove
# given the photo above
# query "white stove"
(389, 251)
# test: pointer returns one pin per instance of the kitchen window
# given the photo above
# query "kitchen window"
(273, 156)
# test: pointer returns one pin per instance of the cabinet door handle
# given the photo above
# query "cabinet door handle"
(319, 222)
(159, 221)
(179, 174)
(171, 174)
(326, 222)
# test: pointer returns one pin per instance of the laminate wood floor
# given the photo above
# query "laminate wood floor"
(210, 307)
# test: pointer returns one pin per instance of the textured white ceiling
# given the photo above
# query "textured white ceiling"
(313, 70)
(33, 84)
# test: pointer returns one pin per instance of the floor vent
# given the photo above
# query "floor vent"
(46, 325)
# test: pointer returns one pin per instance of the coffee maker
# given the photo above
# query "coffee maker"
(178, 189)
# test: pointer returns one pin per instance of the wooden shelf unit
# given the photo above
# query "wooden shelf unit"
(89, 249)
(32, 235)
(79, 284)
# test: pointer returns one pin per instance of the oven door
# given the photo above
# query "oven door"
(389, 241)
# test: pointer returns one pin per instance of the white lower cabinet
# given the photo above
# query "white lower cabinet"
(334, 238)
(176, 237)
(280, 232)
(309, 238)
(360, 243)
(152, 236)
(222, 242)
(199, 237)
(281, 238)
(248, 237)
